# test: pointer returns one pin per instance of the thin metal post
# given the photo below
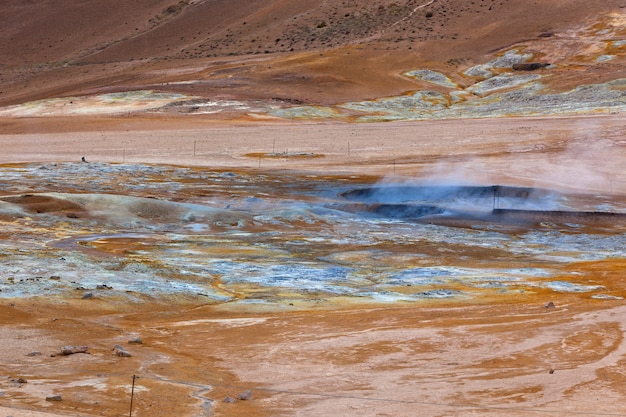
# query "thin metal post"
(132, 394)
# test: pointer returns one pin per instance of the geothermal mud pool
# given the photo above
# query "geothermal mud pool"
(293, 240)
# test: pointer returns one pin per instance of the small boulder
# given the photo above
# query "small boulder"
(245, 396)
(135, 341)
(70, 350)
(121, 352)
(54, 398)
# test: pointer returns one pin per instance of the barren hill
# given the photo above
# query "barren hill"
(291, 52)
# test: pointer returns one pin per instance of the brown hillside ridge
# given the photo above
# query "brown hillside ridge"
(314, 52)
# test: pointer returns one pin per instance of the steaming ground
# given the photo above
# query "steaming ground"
(314, 291)
(236, 237)
(303, 266)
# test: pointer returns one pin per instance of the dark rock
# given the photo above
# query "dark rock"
(103, 287)
(229, 400)
(135, 341)
(87, 296)
(54, 398)
(530, 66)
(34, 353)
(18, 380)
(549, 305)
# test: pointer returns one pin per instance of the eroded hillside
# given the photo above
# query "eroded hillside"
(276, 54)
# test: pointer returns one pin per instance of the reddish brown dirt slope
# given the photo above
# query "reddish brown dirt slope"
(314, 52)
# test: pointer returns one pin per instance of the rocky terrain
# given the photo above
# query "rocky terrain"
(203, 213)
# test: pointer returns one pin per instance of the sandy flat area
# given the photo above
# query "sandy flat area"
(580, 151)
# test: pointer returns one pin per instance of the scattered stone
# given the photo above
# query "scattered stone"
(549, 305)
(551, 371)
(229, 400)
(18, 380)
(55, 277)
(70, 350)
(121, 352)
(135, 341)
(54, 398)
(245, 396)
(103, 287)
(87, 296)
(34, 353)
